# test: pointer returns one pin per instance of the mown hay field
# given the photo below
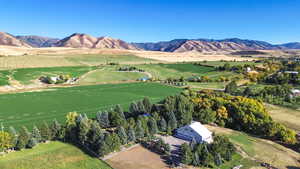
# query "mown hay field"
(261, 150)
(287, 116)
(186, 70)
(53, 155)
(59, 60)
(32, 108)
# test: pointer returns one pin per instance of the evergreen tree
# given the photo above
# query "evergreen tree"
(45, 132)
(96, 134)
(116, 119)
(193, 144)
(196, 159)
(147, 104)
(116, 142)
(32, 142)
(122, 135)
(187, 155)
(109, 141)
(103, 149)
(131, 122)
(14, 136)
(183, 110)
(131, 134)
(55, 129)
(218, 159)
(162, 125)
(172, 121)
(139, 131)
(103, 119)
(36, 134)
(141, 107)
(133, 109)
(24, 138)
(119, 110)
(83, 129)
(152, 126)
(231, 87)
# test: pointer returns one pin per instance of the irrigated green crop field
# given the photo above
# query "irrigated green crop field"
(26, 75)
(35, 107)
(54, 155)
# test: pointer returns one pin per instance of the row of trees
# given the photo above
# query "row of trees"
(207, 155)
(130, 69)
(276, 94)
(239, 113)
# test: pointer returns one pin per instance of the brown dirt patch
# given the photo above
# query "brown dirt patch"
(137, 158)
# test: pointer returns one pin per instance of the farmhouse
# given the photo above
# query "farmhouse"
(194, 131)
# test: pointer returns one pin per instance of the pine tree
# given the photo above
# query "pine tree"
(218, 159)
(24, 138)
(103, 149)
(187, 155)
(116, 119)
(163, 125)
(119, 110)
(172, 121)
(152, 126)
(32, 142)
(45, 132)
(103, 119)
(83, 129)
(122, 135)
(196, 159)
(133, 109)
(131, 134)
(139, 131)
(184, 110)
(36, 134)
(116, 142)
(96, 134)
(193, 144)
(141, 107)
(14, 136)
(147, 104)
(55, 129)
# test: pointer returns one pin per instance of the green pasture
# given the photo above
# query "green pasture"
(26, 75)
(4, 80)
(32, 108)
(108, 76)
(53, 155)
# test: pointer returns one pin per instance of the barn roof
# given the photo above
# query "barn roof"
(200, 129)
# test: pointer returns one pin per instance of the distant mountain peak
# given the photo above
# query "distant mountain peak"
(10, 40)
(79, 40)
(38, 41)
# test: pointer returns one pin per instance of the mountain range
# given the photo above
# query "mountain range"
(78, 40)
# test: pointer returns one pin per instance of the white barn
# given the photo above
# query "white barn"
(195, 130)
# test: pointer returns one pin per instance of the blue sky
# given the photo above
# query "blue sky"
(275, 21)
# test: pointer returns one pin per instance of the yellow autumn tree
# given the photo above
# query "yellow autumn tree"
(71, 118)
(5, 141)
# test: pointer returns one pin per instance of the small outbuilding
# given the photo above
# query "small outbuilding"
(195, 131)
